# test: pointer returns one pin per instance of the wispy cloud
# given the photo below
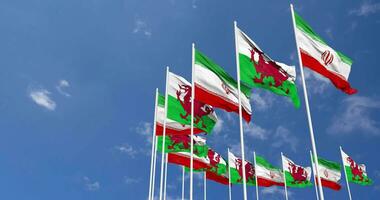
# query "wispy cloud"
(141, 27)
(62, 85)
(275, 191)
(91, 185)
(262, 100)
(283, 137)
(127, 149)
(130, 180)
(145, 129)
(329, 33)
(316, 83)
(366, 8)
(194, 4)
(218, 126)
(355, 115)
(255, 131)
(42, 98)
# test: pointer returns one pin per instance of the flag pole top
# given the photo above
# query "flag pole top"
(235, 22)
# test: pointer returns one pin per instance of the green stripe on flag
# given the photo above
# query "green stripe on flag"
(329, 164)
(261, 161)
(290, 182)
(237, 179)
(172, 147)
(161, 100)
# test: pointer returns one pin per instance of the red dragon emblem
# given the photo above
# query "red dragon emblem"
(357, 170)
(213, 157)
(249, 170)
(298, 173)
(268, 68)
(178, 140)
(200, 109)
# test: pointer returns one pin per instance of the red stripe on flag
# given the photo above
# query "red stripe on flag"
(170, 131)
(329, 184)
(184, 160)
(214, 100)
(217, 178)
(337, 80)
(267, 183)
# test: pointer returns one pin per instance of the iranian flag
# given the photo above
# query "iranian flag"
(329, 172)
(172, 127)
(267, 174)
(355, 173)
(321, 58)
(258, 70)
(217, 88)
(181, 143)
(296, 175)
(236, 170)
(179, 105)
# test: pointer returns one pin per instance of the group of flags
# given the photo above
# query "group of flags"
(187, 109)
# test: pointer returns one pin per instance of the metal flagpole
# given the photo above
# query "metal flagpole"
(153, 146)
(229, 176)
(164, 135)
(240, 114)
(257, 183)
(166, 175)
(307, 108)
(183, 183)
(192, 121)
(204, 186)
(154, 166)
(313, 168)
(345, 173)
(283, 173)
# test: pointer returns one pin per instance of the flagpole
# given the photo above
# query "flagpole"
(204, 186)
(257, 183)
(345, 174)
(183, 183)
(192, 120)
(154, 165)
(313, 168)
(229, 176)
(283, 173)
(166, 175)
(153, 145)
(240, 114)
(307, 108)
(164, 135)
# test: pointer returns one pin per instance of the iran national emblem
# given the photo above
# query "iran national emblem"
(327, 57)
(200, 109)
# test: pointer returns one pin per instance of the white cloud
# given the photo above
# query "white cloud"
(366, 8)
(142, 28)
(62, 84)
(275, 191)
(129, 180)
(41, 97)
(316, 83)
(91, 185)
(262, 100)
(355, 115)
(127, 149)
(255, 131)
(283, 137)
(194, 4)
(145, 129)
(329, 33)
(218, 126)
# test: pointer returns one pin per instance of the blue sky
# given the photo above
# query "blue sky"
(77, 88)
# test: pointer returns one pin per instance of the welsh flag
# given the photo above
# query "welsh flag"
(356, 173)
(179, 105)
(217, 88)
(172, 127)
(329, 172)
(217, 168)
(296, 175)
(258, 70)
(321, 58)
(181, 143)
(236, 170)
(267, 174)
